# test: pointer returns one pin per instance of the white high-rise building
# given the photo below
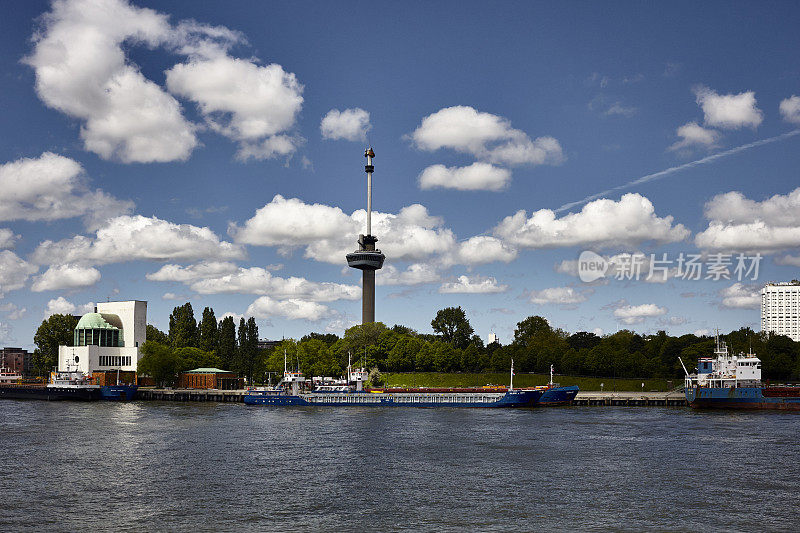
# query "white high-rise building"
(780, 309)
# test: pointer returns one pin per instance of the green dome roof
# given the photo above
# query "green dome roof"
(98, 321)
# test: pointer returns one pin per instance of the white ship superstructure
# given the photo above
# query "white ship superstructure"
(725, 370)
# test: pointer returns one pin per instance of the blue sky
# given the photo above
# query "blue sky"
(202, 124)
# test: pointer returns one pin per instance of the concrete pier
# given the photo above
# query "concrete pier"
(191, 395)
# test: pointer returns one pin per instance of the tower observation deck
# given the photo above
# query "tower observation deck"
(367, 258)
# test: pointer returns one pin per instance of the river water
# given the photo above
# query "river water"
(148, 466)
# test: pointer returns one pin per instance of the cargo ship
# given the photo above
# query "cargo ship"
(62, 386)
(734, 382)
(113, 388)
(554, 394)
(293, 391)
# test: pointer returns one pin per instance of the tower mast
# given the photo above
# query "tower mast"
(367, 258)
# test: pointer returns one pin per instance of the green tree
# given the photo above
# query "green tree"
(241, 353)
(357, 341)
(275, 361)
(452, 324)
(189, 358)
(583, 339)
(404, 353)
(251, 354)
(317, 359)
(160, 363)
(446, 358)
(227, 347)
(182, 327)
(209, 336)
(156, 335)
(532, 328)
(57, 330)
(328, 338)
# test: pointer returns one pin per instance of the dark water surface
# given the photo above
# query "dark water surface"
(211, 467)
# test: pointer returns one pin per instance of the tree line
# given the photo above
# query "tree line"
(453, 347)
(189, 344)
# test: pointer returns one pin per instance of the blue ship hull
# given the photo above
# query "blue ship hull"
(558, 396)
(124, 393)
(515, 398)
(739, 398)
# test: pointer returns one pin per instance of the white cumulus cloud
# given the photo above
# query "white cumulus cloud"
(790, 109)
(487, 137)
(293, 309)
(636, 314)
(557, 295)
(728, 111)
(7, 238)
(13, 312)
(84, 70)
(191, 273)
(65, 277)
(246, 102)
(474, 285)
(475, 177)
(790, 260)
(256, 280)
(14, 272)
(132, 238)
(601, 223)
(692, 134)
(484, 249)
(737, 223)
(327, 234)
(414, 274)
(285, 222)
(741, 296)
(62, 306)
(81, 70)
(52, 187)
(350, 124)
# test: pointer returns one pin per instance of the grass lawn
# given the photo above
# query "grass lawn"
(435, 379)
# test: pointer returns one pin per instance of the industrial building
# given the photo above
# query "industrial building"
(780, 309)
(16, 360)
(210, 378)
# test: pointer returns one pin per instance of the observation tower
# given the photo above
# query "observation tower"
(367, 258)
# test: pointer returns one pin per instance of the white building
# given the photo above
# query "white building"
(780, 309)
(107, 339)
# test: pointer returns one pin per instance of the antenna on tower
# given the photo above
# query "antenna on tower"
(369, 169)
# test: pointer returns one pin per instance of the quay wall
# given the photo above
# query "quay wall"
(584, 399)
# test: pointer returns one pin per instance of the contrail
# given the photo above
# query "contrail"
(672, 170)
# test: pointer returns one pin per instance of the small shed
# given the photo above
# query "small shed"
(210, 378)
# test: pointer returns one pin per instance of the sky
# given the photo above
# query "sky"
(614, 165)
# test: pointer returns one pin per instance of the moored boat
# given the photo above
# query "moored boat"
(62, 386)
(553, 394)
(734, 382)
(118, 392)
(290, 392)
